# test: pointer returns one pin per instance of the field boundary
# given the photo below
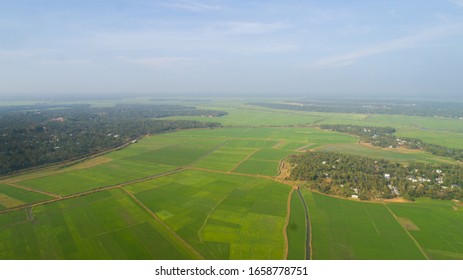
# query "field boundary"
(239, 163)
(13, 185)
(101, 189)
(208, 216)
(207, 154)
(153, 215)
(285, 229)
(408, 233)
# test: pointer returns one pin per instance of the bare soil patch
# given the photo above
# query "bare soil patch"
(285, 170)
(304, 148)
(408, 224)
(91, 163)
(279, 144)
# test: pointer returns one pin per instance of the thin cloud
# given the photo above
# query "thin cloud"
(265, 49)
(193, 7)
(408, 42)
(457, 2)
(21, 53)
(254, 27)
(159, 61)
(67, 61)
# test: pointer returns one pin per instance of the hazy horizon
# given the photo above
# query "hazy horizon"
(338, 49)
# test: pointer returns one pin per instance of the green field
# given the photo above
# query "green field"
(222, 216)
(436, 225)
(71, 229)
(344, 229)
(107, 174)
(126, 165)
(11, 197)
(258, 167)
(296, 229)
(216, 194)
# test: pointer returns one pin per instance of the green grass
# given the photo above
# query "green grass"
(296, 229)
(265, 136)
(107, 174)
(104, 225)
(222, 216)
(258, 167)
(344, 229)
(439, 226)
(256, 117)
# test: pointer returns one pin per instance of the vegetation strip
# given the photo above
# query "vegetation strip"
(308, 249)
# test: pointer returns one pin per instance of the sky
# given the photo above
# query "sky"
(394, 48)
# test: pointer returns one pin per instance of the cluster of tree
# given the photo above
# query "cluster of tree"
(37, 136)
(350, 175)
(364, 106)
(384, 137)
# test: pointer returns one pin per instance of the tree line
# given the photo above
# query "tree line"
(366, 178)
(34, 136)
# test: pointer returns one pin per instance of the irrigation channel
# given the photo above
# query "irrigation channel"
(307, 223)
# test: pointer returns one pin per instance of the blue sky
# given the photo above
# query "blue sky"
(321, 48)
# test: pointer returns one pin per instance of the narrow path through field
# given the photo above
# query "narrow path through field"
(152, 214)
(308, 241)
(288, 214)
(245, 159)
(207, 154)
(408, 233)
(91, 191)
(32, 190)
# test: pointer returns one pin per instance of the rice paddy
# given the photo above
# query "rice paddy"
(215, 194)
